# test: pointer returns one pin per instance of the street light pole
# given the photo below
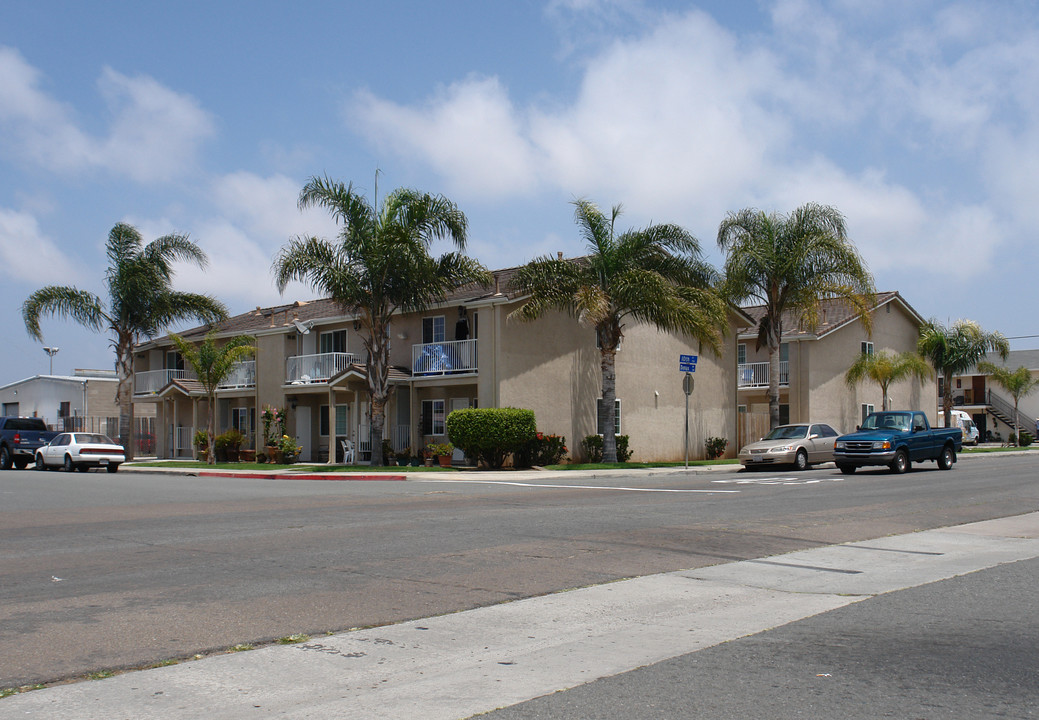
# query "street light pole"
(52, 351)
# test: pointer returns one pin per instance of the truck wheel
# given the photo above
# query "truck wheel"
(846, 469)
(801, 460)
(946, 459)
(901, 462)
(5, 458)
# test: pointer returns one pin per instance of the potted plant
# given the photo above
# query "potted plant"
(287, 451)
(442, 452)
(273, 428)
(228, 445)
(201, 443)
(388, 454)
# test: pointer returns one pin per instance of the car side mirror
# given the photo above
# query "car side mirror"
(857, 428)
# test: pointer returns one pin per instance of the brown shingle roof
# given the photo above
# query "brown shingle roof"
(833, 315)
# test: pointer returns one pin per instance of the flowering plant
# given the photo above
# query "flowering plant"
(273, 424)
(288, 446)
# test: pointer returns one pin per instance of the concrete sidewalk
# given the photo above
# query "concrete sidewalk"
(456, 665)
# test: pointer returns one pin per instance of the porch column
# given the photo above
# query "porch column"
(332, 439)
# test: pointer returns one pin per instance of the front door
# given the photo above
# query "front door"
(303, 431)
(978, 389)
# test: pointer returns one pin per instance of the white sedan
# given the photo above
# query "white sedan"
(80, 451)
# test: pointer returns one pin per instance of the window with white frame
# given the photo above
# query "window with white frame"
(433, 417)
(741, 353)
(866, 347)
(616, 416)
(867, 410)
(433, 329)
(340, 421)
(334, 341)
(244, 421)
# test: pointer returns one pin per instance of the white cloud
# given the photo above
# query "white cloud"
(154, 133)
(27, 256)
(839, 104)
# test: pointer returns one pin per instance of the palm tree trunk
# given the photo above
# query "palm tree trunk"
(124, 395)
(773, 387)
(1017, 429)
(378, 387)
(210, 430)
(947, 399)
(883, 400)
(608, 411)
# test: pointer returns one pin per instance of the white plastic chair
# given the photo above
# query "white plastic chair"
(348, 452)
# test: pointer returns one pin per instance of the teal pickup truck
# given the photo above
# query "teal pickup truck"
(897, 439)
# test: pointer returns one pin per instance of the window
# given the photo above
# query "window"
(64, 409)
(173, 360)
(784, 352)
(244, 421)
(866, 411)
(741, 353)
(334, 341)
(340, 421)
(433, 417)
(433, 329)
(867, 347)
(616, 417)
(784, 414)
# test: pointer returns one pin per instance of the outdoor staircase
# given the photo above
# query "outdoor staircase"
(1003, 410)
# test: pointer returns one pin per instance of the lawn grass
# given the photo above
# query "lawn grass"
(997, 449)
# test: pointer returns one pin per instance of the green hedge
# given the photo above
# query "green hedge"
(490, 435)
(593, 448)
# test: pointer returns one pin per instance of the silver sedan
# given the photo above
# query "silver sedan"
(80, 451)
(800, 445)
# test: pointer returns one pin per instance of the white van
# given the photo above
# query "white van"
(963, 421)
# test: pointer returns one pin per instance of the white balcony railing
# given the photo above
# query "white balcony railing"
(306, 369)
(242, 375)
(756, 375)
(444, 358)
(150, 382)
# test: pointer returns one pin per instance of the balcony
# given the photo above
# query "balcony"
(454, 357)
(310, 369)
(150, 382)
(242, 375)
(756, 375)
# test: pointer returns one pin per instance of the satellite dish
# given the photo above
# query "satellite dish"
(301, 328)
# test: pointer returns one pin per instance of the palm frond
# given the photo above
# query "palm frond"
(80, 306)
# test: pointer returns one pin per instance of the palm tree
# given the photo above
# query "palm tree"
(212, 365)
(1019, 383)
(653, 276)
(885, 368)
(379, 264)
(955, 350)
(141, 304)
(790, 264)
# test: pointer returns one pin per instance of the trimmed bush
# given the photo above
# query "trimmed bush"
(542, 450)
(490, 435)
(592, 446)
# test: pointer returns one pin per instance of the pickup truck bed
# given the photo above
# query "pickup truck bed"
(19, 440)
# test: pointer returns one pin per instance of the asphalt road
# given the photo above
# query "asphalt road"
(127, 570)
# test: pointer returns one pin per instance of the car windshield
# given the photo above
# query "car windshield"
(787, 432)
(887, 421)
(84, 438)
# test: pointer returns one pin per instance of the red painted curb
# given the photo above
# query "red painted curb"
(302, 476)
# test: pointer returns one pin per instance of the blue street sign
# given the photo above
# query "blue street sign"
(687, 363)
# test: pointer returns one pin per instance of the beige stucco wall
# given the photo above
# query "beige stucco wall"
(832, 401)
(553, 367)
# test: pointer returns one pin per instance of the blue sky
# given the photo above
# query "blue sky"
(919, 121)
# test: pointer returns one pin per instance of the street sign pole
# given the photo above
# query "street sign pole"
(687, 388)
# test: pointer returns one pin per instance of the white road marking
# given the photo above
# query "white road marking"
(778, 481)
(579, 487)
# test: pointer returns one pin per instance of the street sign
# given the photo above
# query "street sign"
(687, 363)
(687, 383)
